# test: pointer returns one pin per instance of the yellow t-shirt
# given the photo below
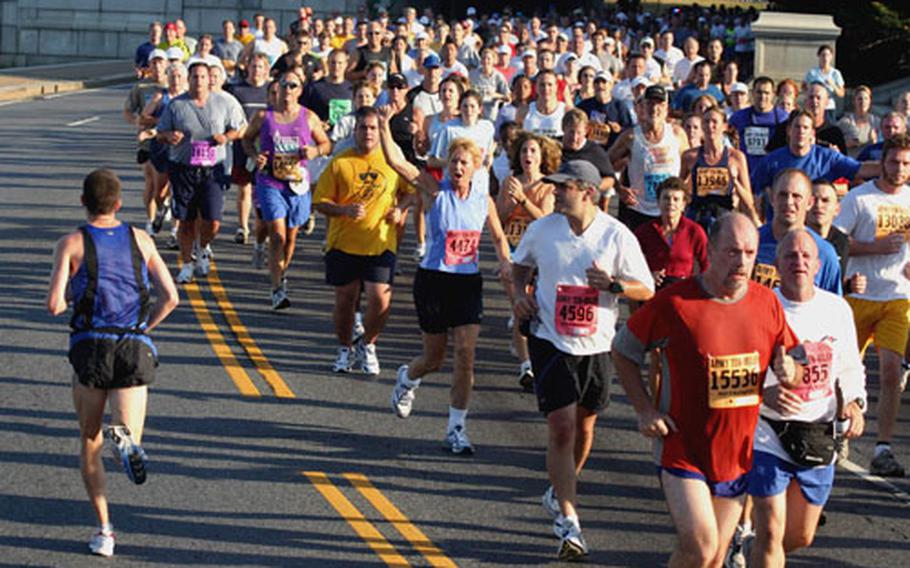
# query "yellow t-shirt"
(338, 41)
(354, 178)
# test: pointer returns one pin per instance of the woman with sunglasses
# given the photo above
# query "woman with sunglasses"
(289, 135)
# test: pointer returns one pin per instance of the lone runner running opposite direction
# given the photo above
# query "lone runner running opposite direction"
(104, 270)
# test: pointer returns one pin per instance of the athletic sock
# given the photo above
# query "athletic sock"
(106, 528)
(880, 448)
(456, 418)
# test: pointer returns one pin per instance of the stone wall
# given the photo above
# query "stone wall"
(36, 32)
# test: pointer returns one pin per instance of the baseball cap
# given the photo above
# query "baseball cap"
(175, 53)
(571, 56)
(576, 170)
(656, 93)
(737, 87)
(397, 80)
(640, 81)
(421, 35)
(609, 40)
(504, 49)
(157, 54)
(529, 53)
(471, 11)
(244, 23)
(170, 26)
(603, 76)
(646, 41)
(432, 61)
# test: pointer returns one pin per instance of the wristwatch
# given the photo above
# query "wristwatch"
(616, 287)
(860, 403)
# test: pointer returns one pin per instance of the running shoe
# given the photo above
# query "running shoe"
(886, 465)
(343, 363)
(185, 276)
(369, 362)
(159, 219)
(129, 454)
(149, 228)
(457, 440)
(737, 553)
(550, 503)
(572, 545)
(280, 300)
(310, 225)
(204, 262)
(172, 243)
(526, 377)
(905, 374)
(241, 236)
(102, 543)
(358, 329)
(260, 256)
(419, 251)
(402, 395)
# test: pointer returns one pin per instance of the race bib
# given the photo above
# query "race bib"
(338, 108)
(202, 153)
(576, 310)
(651, 183)
(516, 229)
(599, 132)
(733, 380)
(461, 247)
(766, 275)
(755, 139)
(816, 381)
(892, 219)
(711, 181)
(286, 167)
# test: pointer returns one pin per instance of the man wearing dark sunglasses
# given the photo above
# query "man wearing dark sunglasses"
(374, 50)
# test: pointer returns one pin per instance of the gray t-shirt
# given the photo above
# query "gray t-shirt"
(487, 87)
(228, 51)
(198, 125)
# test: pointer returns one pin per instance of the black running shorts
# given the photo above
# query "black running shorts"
(445, 300)
(107, 363)
(561, 379)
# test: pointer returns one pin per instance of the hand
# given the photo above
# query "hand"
(597, 278)
(355, 211)
(658, 276)
(385, 113)
(627, 196)
(782, 400)
(890, 244)
(262, 161)
(309, 152)
(654, 424)
(174, 137)
(147, 121)
(514, 190)
(784, 367)
(854, 414)
(858, 282)
(525, 306)
(219, 139)
(393, 216)
(505, 271)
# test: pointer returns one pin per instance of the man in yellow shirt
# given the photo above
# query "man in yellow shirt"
(363, 199)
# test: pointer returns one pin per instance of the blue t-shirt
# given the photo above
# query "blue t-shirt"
(871, 153)
(686, 97)
(819, 163)
(141, 59)
(755, 131)
(828, 276)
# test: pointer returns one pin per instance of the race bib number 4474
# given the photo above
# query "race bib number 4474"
(733, 380)
(461, 247)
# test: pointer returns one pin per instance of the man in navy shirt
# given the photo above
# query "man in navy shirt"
(893, 123)
(701, 85)
(756, 124)
(603, 109)
(141, 59)
(791, 197)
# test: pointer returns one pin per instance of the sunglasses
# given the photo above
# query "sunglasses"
(289, 84)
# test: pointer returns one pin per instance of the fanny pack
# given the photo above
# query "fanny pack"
(809, 444)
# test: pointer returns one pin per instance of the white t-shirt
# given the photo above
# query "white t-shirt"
(683, 67)
(826, 323)
(561, 258)
(867, 212)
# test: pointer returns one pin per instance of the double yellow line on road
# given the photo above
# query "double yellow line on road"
(235, 370)
(367, 531)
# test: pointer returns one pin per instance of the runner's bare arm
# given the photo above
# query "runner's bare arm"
(651, 422)
(632, 289)
(60, 274)
(165, 290)
(885, 245)
(500, 243)
(423, 181)
(742, 186)
(685, 165)
(869, 170)
(322, 146)
(251, 135)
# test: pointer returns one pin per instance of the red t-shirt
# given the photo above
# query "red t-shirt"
(678, 259)
(717, 355)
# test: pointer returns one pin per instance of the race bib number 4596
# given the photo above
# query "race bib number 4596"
(576, 310)
(733, 380)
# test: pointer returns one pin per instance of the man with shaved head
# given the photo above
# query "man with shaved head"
(719, 334)
(794, 452)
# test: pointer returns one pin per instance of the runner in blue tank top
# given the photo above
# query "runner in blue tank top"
(104, 270)
(289, 136)
(448, 284)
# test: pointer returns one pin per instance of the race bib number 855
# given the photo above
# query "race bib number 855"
(733, 380)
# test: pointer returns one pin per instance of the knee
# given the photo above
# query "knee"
(433, 360)
(801, 539)
(697, 548)
(464, 356)
(562, 431)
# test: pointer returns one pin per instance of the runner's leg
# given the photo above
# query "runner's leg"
(128, 407)
(692, 510)
(889, 400)
(379, 298)
(277, 249)
(802, 519)
(561, 465)
(207, 231)
(771, 515)
(432, 357)
(465, 339)
(150, 193)
(345, 300)
(244, 205)
(89, 405)
(186, 234)
(727, 511)
(290, 246)
(585, 420)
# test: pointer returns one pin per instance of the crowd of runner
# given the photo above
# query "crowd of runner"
(758, 237)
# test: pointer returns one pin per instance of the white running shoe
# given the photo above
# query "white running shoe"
(204, 261)
(127, 453)
(572, 545)
(149, 229)
(343, 363)
(172, 243)
(369, 362)
(241, 236)
(419, 251)
(550, 503)
(102, 543)
(526, 377)
(457, 440)
(185, 276)
(260, 256)
(310, 225)
(402, 395)
(280, 298)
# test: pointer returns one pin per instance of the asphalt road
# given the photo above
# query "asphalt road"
(308, 467)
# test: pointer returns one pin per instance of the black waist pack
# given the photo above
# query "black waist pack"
(809, 444)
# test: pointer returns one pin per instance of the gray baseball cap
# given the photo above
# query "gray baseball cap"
(576, 170)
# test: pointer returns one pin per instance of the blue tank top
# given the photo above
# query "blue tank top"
(712, 189)
(110, 288)
(454, 226)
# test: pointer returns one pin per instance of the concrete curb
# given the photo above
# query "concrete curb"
(30, 89)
